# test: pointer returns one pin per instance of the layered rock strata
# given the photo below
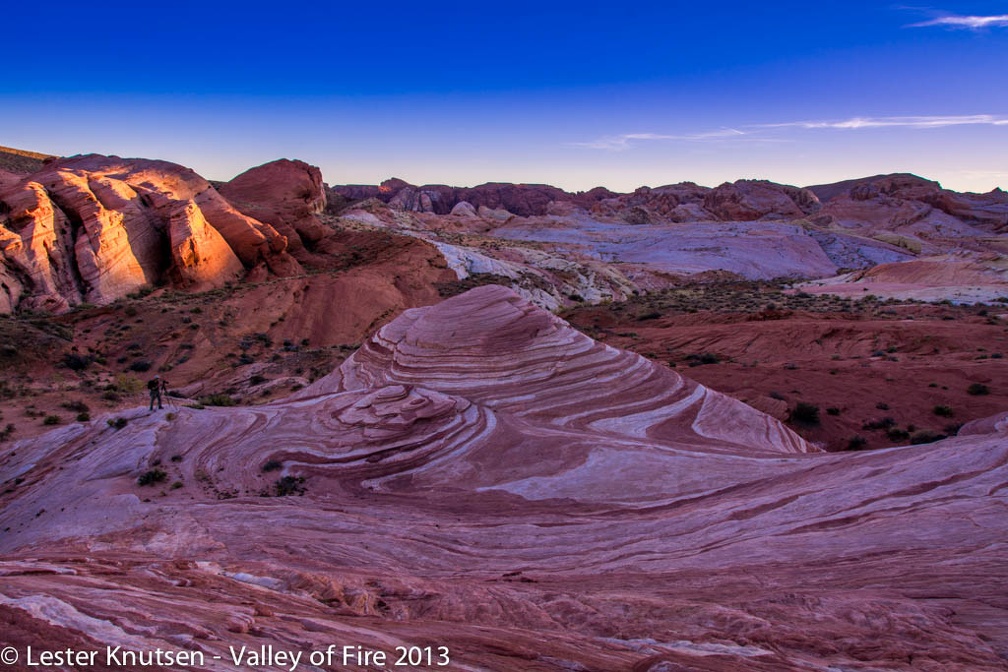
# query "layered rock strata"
(93, 228)
(480, 477)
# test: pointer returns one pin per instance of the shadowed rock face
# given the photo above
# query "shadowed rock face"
(94, 228)
(480, 476)
(284, 194)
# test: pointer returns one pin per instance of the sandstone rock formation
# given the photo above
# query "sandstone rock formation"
(93, 228)
(903, 199)
(285, 194)
(746, 200)
(481, 477)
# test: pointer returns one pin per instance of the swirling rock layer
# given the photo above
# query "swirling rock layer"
(479, 476)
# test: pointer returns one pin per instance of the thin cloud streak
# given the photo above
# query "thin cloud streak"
(619, 143)
(757, 132)
(967, 22)
(898, 122)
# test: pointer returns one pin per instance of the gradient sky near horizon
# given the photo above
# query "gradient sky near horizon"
(572, 94)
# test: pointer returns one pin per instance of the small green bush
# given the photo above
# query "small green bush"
(76, 362)
(51, 420)
(925, 436)
(897, 434)
(977, 389)
(856, 443)
(219, 399)
(943, 411)
(152, 476)
(805, 413)
(289, 485)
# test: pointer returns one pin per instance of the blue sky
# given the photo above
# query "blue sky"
(571, 94)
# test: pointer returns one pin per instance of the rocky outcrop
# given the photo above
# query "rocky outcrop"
(523, 200)
(496, 335)
(94, 228)
(746, 200)
(287, 195)
(464, 209)
(903, 199)
(481, 476)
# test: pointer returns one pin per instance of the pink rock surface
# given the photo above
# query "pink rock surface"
(285, 194)
(479, 476)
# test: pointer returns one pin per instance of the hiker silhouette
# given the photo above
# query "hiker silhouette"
(156, 386)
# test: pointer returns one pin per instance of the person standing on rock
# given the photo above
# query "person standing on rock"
(155, 386)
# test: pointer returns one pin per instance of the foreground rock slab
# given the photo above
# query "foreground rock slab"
(481, 477)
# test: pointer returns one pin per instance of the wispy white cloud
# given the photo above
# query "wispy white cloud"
(898, 122)
(967, 22)
(620, 142)
(764, 132)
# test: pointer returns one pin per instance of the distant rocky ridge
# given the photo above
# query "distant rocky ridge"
(901, 197)
(91, 229)
(21, 162)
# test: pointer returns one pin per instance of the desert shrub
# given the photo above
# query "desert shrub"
(856, 443)
(51, 420)
(140, 366)
(977, 389)
(76, 406)
(83, 416)
(653, 315)
(127, 384)
(925, 436)
(272, 465)
(701, 359)
(117, 423)
(884, 423)
(76, 362)
(943, 411)
(805, 413)
(832, 410)
(289, 485)
(219, 399)
(897, 434)
(152, 476)
(882, 406)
